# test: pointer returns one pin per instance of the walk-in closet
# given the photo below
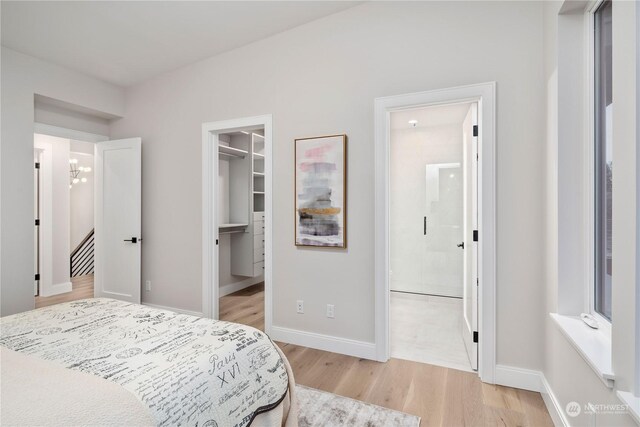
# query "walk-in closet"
(241, 202)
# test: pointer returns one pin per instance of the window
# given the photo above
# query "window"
(603, 159)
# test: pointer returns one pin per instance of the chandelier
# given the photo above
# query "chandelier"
(75, 171)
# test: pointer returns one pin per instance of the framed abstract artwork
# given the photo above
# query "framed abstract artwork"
(321, 191)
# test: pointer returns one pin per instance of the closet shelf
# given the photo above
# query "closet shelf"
(258, 192)
(258, 155)
(232, 152)
(258, 173)
(232, 228)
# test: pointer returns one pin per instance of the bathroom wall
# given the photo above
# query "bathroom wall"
(431, 263)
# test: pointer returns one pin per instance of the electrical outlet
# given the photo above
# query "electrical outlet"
(300, 306)
(331, 311)
(147, 285)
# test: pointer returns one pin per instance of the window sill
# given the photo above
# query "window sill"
(593, 345)
(632, 402)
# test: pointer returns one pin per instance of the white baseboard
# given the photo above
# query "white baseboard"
(525, 379)
(235, 287)
(176, 310)
(553, 406)
(528, 379)
(333, 344)
(57, 289)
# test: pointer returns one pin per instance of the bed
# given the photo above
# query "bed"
(107, 362)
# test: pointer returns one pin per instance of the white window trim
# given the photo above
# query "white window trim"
(593, 345)
(637, 337)
(632, 399)
(603, 322)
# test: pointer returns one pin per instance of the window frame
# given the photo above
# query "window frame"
(591, 190)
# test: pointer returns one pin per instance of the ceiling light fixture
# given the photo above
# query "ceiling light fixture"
(75, 171)
(413, 122)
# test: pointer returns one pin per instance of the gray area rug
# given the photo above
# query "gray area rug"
(320, 409)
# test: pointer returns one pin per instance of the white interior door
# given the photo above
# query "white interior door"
(470, 288)
(118, 208)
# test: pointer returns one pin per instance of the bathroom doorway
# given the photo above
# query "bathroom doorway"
(432, 217)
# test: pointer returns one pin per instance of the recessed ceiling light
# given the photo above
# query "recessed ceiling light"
(413, 122)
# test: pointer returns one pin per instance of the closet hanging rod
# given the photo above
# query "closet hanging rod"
(231, 232)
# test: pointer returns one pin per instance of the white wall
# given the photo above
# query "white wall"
(322, 78)
(55, 115)
(568, 374)
(61, 211)
(23, 76)
(413, 269)
(81, 211)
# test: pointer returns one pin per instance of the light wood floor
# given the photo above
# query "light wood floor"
(440, 396)
(82, 287)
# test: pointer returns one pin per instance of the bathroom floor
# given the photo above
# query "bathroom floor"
(428, 329)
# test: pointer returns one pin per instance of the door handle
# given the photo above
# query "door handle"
(133, 240)
(460, 245)
(425, 226)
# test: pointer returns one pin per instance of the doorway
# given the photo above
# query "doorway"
(64, 226)
(236, 221)
(440, 269)
(241, 242)
(432, 189)
(88, 192)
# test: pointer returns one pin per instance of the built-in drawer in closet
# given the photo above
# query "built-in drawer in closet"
(258, 268)
(258, 227)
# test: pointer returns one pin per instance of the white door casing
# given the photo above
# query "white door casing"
(118, 218)
(484, 94)
(470, 203)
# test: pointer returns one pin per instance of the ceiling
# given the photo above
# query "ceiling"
(439, 115)
(127, 42)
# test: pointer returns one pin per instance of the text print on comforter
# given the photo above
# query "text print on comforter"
(187, 370)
